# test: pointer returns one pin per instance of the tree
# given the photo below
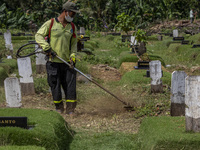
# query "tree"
(125, 23)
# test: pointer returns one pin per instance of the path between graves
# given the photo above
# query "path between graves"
(99, 114)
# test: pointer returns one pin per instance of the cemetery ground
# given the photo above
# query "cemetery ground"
(101, 121)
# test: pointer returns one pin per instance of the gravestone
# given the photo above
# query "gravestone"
(13, 122)
(156, 74)
(40, 62)
(133, 40)
(82, 31)
(178, 38)
(26, 79)
(178, 93)
(185, 42)
(8, 41)
(192, 103)
(160, 37)
(12, 92)
(175, 33)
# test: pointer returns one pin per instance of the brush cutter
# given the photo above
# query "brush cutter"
(33, 48)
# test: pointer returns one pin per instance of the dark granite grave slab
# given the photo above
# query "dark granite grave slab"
(178, 39)
(13, 122)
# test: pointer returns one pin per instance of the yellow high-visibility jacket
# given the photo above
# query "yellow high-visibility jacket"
(59, 39)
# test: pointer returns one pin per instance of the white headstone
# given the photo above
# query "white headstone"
(25, 70)
(175, 33)
(192, 103)
(40, 57)
(8, 41)
(178, 93)
(156, 74)
(82, 30)
(26, 79)
(178, 87)
(12, 92)
(133, 40)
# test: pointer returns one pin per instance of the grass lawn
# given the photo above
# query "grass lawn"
(166, 133)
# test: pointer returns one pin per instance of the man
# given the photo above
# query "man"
(63, 42)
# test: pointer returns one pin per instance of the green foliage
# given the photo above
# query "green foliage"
(125, 23)
(49, 131)
(3, 75)
(140, 36)
(9, 65)
(13, 19)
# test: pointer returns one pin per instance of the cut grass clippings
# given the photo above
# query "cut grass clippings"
(166, 133)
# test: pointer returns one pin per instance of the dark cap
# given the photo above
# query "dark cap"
(70, 6)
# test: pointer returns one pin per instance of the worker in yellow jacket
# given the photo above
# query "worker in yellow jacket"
(62, 42)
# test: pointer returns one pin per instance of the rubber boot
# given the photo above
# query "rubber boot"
(60, 108)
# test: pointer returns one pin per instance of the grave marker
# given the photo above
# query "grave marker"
(40, 62)
(156, 74)
(178, 38)
(133, 40)
(12, 92)
(8, 41)
(82, 31)
(160, 37)
(175, 33)
(13, 122)
(192, 103)
(26, 79)
(178, 93)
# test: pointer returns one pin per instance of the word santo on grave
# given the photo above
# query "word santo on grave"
(26, 79)
(155, 75)
(12, 92)
(178, 93)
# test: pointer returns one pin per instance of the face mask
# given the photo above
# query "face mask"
(68, 18)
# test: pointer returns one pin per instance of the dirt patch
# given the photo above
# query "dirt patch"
(99, 112)
(105, 73)
(127, 66)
